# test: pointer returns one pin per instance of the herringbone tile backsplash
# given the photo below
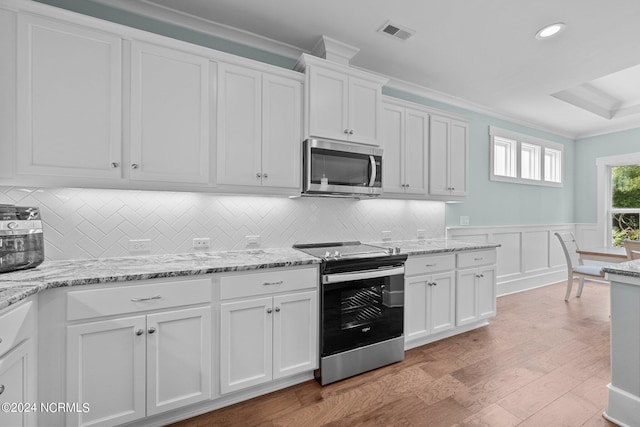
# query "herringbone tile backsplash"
(91, 223)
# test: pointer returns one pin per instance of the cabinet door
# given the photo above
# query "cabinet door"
(17, 384)
(458, 158)
(328, 104)
(416, 301)
(69, 100)
(239, 125)
(415, 152)
(365, 124)
(106, 369)
(439, 156)
(295, 333)
(466, 297)
(169, 115)
(245, 343)
(487, 292)
(178, 359)
(393, 136)
(442, 302)
(281, 131)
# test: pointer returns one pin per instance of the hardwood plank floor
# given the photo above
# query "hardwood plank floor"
(541, 362)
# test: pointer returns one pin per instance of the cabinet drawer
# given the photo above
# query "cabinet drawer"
(427, 264)
(474, 259)
(136, 298)
(251, 284)
(15, 326)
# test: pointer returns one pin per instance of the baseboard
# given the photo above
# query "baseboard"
(525, 283)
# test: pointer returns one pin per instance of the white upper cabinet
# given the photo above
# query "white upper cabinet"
(259, 128)
(448, 146)
(69, 99)
(169, 115)
(342, 103)
(405, 143)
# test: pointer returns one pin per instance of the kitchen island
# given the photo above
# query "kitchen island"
(624, 390)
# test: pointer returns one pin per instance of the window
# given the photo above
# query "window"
(625, 203)
(524, 159)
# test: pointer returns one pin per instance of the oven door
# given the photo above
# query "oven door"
(339, 168)
(361, 308)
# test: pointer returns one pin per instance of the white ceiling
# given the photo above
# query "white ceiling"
(585, 81)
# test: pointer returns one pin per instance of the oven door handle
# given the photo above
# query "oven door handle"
(361, 275)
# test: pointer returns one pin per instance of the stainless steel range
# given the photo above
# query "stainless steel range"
(361, 308)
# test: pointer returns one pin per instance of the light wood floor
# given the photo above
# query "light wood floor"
(541, 362)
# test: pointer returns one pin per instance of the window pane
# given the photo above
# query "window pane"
(504, 157)
(530, 161)
(625, 226)
(626, 186)
(552, 165)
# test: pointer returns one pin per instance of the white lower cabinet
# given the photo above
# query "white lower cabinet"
(429, 295)
(475, 287)
(17, 385)
(18, 365)
(271, 334)
(140, 364)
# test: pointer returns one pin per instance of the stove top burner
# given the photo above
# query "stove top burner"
(343, 250)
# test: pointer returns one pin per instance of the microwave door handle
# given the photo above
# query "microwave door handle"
(372, 180)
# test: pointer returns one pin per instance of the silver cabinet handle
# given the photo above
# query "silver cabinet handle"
(134, 166)
(258, 175)
(280, 282)
(1, 388)
(269, 310)
(146, 299)
(346, 131)
(265, 175)
(350, 131)
(114, 165)
(478, 259)
(430, 265)
(139, 332)
(151, 330)
(277, 309)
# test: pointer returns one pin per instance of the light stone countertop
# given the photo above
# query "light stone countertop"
(18, 285)
(628, 268)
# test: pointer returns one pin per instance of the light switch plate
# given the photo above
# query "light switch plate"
(421, 234)
(386, 235)
(464, 220)
(139, 245)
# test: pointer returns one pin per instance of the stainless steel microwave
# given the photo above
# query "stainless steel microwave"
(333, 168)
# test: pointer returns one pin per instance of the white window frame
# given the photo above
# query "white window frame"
(527, 140)
(605, 189)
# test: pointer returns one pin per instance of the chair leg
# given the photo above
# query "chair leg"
(569, 285)
(580, 287)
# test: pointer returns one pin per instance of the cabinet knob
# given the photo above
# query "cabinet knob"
(1, 388)
(134, 166)
(277, 309)
(258, 175)
(139, 332)
(269, 310)
(346, 131)
(350, 131)
(151, 330)
(114, 165)
(265, 175)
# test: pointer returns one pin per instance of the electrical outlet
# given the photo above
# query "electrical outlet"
(140, 245)
(421, 234)
(201, 243)
(386, 235)
(464, 220)
(252, 241)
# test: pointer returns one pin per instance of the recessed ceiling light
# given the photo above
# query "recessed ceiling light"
(550, 30)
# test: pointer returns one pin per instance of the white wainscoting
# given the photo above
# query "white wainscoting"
(529, 256)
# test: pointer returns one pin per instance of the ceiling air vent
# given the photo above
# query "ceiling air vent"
(397, 31)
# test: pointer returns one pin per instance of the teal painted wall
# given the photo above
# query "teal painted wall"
(587, 151)
(489, 203)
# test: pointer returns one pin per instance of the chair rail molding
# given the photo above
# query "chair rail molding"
(530, 256)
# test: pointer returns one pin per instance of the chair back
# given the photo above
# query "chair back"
(569, 247)
(633, 249)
